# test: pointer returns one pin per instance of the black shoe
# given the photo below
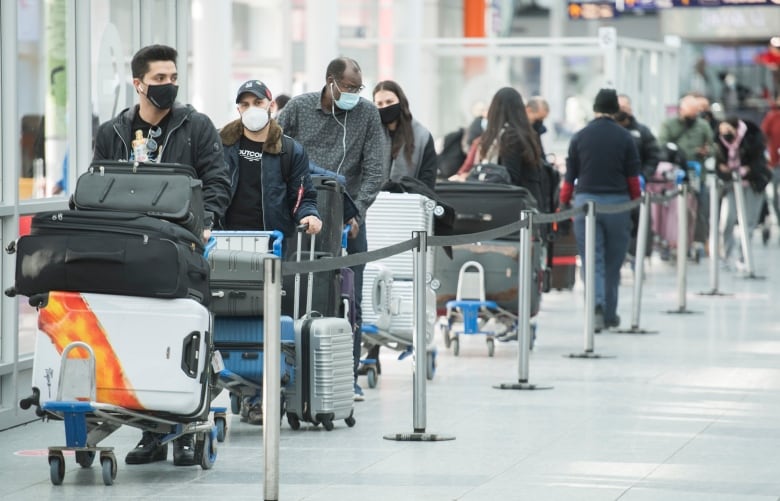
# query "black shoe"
(184, 450)
(598, 319)
(148, 450)
(615, 322)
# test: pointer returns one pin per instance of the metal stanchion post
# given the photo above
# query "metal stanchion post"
(590, 282)
(714, 237)
(272, 267)
(744, 230)
(419, 347)
(639, 268)
(682, 250)
(524, 309)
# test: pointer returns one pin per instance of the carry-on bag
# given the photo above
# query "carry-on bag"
(149, 354)
(110, 253)
(236, 275)
(321, 390)
(166, 191)
(240, 342)
(563, 265)
(484, 206)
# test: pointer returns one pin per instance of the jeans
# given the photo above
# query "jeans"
(355, 245)
(613, 232)
(753, 202)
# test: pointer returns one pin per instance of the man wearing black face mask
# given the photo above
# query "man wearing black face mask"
(166, 131)
(693, 136)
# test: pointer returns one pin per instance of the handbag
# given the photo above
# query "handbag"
(489, 173)
(760, 176)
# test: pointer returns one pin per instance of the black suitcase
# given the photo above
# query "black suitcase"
(563, 262)
(166, 191)
(330, 205)
(484, 206)
(326, 293)
(110, 253)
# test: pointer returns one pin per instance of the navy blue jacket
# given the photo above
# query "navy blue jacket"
(602, 157)
(280, 194)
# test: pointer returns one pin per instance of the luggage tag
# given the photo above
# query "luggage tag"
(217, 364)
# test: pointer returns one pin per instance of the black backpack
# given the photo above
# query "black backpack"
(452, 156)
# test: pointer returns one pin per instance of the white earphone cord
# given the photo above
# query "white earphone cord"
(343, 126)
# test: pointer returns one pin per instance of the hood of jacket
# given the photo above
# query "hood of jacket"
(232, 132)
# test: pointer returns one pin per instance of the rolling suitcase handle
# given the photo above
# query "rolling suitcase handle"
(296, 305)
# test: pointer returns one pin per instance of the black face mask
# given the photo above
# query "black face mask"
(390, 114)
(162, 96)
(729, 137)
(621, 116)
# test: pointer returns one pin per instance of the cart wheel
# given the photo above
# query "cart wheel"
(221, 424)
(327, 423)
(293, 421)
(372, 377)
(350, 421)
(56, 468)
(85, 458)
(208, 449)
(491, 343)
(235, 403)
(109, 469)
(445, 330)
(456, 346)
(430, 359)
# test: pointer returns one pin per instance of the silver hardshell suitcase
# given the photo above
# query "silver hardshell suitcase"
(391, 219)
(321, 388)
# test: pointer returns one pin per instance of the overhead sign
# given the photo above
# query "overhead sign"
(592, 10)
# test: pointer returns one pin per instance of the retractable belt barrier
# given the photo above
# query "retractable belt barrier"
(420, 242)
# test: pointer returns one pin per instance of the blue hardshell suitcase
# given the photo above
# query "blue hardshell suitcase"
(240, 343)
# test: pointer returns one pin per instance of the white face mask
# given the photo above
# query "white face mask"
(254, 118)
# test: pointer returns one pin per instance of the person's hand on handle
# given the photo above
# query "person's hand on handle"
(206, 234)
(312, 223)
(354, 227)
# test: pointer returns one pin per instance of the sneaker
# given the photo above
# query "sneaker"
(184, 450)
(359, 397)
(252, 413)
(598, 320)
(148, 450)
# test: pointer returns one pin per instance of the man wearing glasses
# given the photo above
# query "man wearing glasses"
(166, 131)
(343, 133)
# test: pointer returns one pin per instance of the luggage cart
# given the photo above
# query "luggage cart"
(243, 378)
(473, 313)
(87, 422)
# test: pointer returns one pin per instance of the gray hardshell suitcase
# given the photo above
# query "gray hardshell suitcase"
(391, 219)
(236, 275)
(321, 388)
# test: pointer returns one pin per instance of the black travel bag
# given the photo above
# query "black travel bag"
(484, 206)
(110, 253)
(165, 191)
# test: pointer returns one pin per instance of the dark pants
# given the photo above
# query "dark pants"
(355, 245)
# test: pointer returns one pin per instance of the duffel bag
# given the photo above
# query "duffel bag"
(110, 253)
(166, 191)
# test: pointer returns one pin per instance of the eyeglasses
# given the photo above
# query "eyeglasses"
(350, 89)
(151, 144)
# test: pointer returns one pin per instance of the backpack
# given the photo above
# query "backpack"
(452, 156)
(489, 173)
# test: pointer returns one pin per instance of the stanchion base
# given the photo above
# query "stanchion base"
(587, 354)
(520, 386)
(681, 311)
(418, 437)
(752, 276)
(633, 330)
(714, 292)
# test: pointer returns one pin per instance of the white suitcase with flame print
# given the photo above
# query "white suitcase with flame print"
(150, 354)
